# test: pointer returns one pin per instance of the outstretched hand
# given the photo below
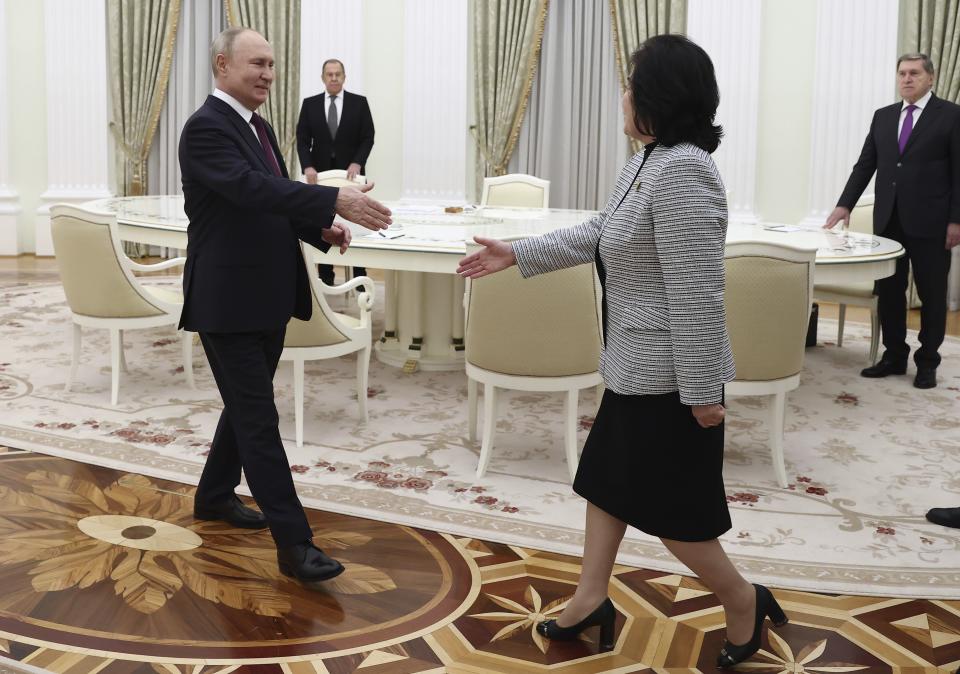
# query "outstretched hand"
(354, 205)
(495, 256)
(339, 235)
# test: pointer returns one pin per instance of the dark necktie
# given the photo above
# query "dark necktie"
(332, 118)
(907, 128)
(261, 128)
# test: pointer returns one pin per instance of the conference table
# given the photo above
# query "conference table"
(423, 311)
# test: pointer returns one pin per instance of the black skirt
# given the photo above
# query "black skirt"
(650, 464)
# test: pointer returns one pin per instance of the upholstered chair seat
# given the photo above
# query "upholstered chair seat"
(855, 294)
(536, 334)
(329, 334)
(768, 291)
(103, 292)
(516, 190)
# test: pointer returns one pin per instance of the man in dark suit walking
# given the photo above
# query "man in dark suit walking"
(914, 148)
(334, 131)
(243, 280)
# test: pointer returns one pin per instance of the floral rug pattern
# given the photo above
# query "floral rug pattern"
(866, 458)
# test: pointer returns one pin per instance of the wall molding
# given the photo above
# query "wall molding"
(9, 199)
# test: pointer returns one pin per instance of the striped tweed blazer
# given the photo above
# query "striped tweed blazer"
(661, 241)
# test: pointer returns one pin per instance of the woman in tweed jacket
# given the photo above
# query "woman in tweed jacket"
(654, 456)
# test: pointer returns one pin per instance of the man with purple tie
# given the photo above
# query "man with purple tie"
(914, 148)
(243, 280)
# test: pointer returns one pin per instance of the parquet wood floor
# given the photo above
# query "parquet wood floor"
(104, 571)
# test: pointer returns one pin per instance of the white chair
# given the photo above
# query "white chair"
(338, 178)
(857, 294)
(769, 287)
(102, 291)
(327, 335)
(516, 189)
(536, 334)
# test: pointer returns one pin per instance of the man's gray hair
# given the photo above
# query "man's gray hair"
(223, 44)
(917, 56)
(324, 66)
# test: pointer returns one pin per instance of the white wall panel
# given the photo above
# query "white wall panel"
(855, 75)
(435, 99)
(9, 199)
(77, 108)
(729, 31)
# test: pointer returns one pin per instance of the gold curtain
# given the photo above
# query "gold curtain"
(507, 41)
(933, 27)
(279, 22)
(634, 21)
(141, 34)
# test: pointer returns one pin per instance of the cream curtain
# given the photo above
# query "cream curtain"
(572, 133)
(636, 20)
(279, 22)
(190, 83)
(140, 35)
(141, 38)
(933, 27)
(507, 36)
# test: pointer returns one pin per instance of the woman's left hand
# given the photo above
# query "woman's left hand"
(708, 415)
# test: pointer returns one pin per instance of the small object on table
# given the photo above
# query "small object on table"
(453, 209)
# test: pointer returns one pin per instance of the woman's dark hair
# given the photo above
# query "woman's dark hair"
(674, 91)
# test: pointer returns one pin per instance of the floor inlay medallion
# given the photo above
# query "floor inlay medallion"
(107, 572)
(116, 564)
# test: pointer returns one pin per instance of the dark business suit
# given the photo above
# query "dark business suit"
(916, 195)
(352, 145)
(354, 139)
(243, 280)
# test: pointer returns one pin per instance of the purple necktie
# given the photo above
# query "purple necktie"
(907, 128)
(261, 128)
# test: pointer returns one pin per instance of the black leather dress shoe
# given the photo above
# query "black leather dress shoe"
(307, 563)
(232, 512)
(945, 517)
(883, 369)
(926, 377)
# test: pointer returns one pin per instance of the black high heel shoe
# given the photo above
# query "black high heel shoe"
(732, 654)
(604, 616)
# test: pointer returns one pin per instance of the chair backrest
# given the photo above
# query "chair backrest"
(91, 261)
(322, 329)
(338, 178)
(516, 189)
(861, 217)
(545, 326)
(768, 294)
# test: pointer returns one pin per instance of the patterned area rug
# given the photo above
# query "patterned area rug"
(866, 458)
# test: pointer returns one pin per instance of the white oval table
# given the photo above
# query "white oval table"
(423, 322)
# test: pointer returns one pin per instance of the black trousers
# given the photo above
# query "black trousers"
(248, 434)
(931, 264)
(327, 273)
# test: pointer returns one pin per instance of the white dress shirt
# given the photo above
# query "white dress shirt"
(338, 102)
(921, 104)
(240, 108)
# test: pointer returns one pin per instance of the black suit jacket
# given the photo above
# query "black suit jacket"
(354, 134)
(923, 183)
(244, 270)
